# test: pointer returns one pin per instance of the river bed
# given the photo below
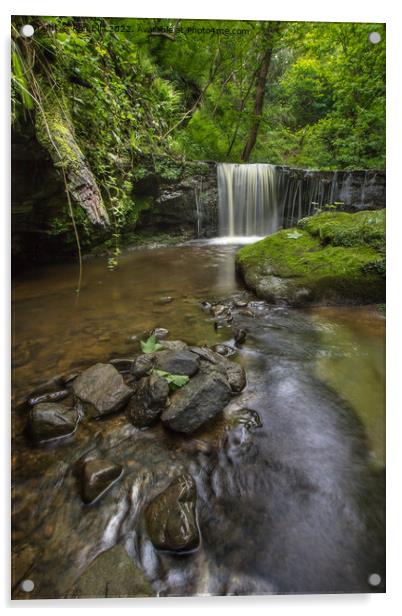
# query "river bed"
(295, 506)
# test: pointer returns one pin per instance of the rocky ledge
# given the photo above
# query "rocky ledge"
(330, 258)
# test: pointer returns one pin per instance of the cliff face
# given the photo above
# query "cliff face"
(187, 205)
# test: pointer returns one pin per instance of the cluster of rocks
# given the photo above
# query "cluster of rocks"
(181, 386)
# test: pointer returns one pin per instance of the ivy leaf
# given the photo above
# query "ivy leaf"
(294, 235)
(151, 345)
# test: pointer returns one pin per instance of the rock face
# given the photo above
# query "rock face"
(171, 517)
(331, 258)
(196, 403)
(102, 390)
(97, 476)
(177, 362)
(112, 574)
(50, 420)
(148, 401)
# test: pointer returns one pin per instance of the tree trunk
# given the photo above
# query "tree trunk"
(260, 90)
(54, 131)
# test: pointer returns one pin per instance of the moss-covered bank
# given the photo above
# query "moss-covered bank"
(330, 258)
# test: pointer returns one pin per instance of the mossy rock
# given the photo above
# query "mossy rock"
(331, 258)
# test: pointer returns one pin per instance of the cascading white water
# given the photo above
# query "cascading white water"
(248, 203)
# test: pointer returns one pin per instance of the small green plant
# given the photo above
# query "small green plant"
(151, 345)
(175, 380)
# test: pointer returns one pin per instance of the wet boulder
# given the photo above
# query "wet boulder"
(196, 403)
(215, 362)
(50, 420)
(102, 390)
(171, 517)
(224, 349)
(112, 574)
(177, 362)
(143, 365)
(97, 476)
(173, 345)
(149, 400)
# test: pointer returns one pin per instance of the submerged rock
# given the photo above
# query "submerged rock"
(177, 362)
(112, 574)
(149, 400)
(198, 402)
(53, 396)
(50, 420)
(171, 517)
(102, 390)
(97, 476)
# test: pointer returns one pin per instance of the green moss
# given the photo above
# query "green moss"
(324, 260)
(365, 228)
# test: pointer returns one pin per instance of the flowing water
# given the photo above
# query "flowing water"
(294, 506)
(258, 199)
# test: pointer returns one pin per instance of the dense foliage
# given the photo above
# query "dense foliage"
(143, 95)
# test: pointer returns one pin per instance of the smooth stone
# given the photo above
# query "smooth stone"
(49, 420)
(112, 574)
(53, 396)
(102, 390)
(196, 403)
(224, 350)
(177, 362)
(149, 401)
(240, 303)
(97, 477)
(164, 300)
(142, 365)
(218, 310)
(160, 333)
(171, 517)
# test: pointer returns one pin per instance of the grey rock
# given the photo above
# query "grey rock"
(160, 333)
(174, 345)
(149, 401)
(50, 420)
(143, 365)
(112, 574)
(97, 476)
(218, 310)
(53, 396)
(224, 350)
(177, 362)
(233, 372)
(171, 517)
(102, 390)
(196, 403)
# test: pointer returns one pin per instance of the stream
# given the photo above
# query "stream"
(294, 506)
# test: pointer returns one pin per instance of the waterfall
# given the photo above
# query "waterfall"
(248, 203)
(258, 199)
